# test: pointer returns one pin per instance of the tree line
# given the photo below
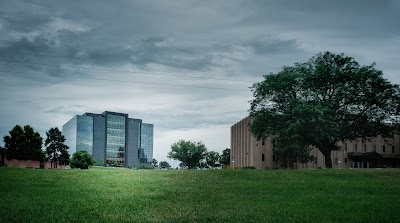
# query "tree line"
(24, 143)
(193, 155)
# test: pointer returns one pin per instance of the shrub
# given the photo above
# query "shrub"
(147, 166)
(248, 168)
(82, 160)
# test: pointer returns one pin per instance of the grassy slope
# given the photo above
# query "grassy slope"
(121, 195)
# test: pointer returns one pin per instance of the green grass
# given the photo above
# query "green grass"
(122, 195)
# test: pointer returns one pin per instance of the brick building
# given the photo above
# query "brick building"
(373, 153)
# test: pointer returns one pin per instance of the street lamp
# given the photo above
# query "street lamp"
(339, 164)
(233, 163)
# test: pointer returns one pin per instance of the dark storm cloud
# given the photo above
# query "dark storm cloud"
(272, 46)
(369, 18)
(100, 44)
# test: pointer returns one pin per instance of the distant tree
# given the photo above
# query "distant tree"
(226, 157)
(82, 160)
(23, 144)
(212, 159)
(203, 165)
(164, 165)
(189, 153)
(330, 98)
(55, 147)
(154, 162)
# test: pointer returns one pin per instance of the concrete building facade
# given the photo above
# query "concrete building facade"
(371, 153)
(111, 138)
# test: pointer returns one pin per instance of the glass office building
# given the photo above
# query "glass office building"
(146, 143)
(111, 138)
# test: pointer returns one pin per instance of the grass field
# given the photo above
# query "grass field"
(122, 195)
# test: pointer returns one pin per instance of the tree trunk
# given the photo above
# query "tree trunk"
(328, 160)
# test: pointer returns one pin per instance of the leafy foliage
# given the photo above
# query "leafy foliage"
(248, 168)
(56, 150)
(189, 153)
(82, 160)
(226, 157)
(328, 99)
(289, 151)
(23, 144)
(154, 162)
(213, 159)
(164, 165)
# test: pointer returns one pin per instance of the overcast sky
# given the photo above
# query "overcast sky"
(184, 66)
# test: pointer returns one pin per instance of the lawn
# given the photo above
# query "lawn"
(123, 195)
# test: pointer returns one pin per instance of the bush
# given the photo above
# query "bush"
(82, 160)
(248, 168)
(147, 166)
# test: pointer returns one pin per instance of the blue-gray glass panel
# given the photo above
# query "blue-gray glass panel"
(84, 136)
(146, 143)
(115, 139)
(69, 132)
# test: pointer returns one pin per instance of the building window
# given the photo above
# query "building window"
(365, 147)
(383, 149)
(374, 148)
(263, 157)
(263, 142)
(336, 161)
(345, 146)
(355, 147)
(273, 142)
(345, 161)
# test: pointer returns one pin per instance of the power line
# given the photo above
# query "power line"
(123, 81)
(125, 71)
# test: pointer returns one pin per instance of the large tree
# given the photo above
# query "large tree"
(56, 150)
(330, 98)
(288, 150)
(189, 153)
(23, 144)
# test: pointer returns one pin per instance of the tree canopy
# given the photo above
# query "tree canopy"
(23, 144)
(164, 165)
(330, 98)
(56, 150)
(154, 162)
(212, 159)
(226, 157)
(189, 153)
(82, 160)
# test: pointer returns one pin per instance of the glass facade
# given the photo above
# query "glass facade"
(115, 150)
(84, 136)
(69, 132)
(146, 143)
